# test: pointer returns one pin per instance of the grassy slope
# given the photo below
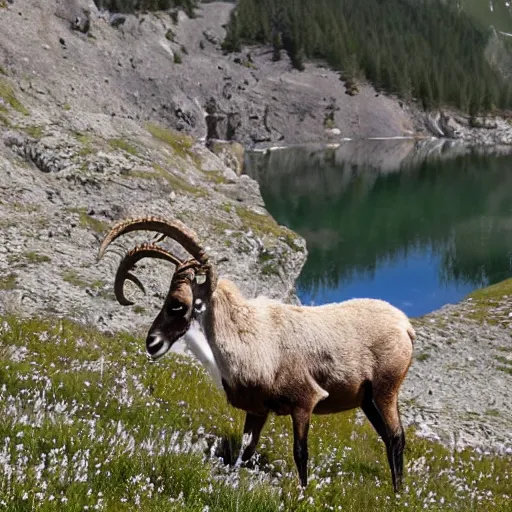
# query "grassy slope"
(489, 304)
(89, 422)
(493, 292)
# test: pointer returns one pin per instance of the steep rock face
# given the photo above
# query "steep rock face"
(81, 147)
(60, 193)
(149, 68)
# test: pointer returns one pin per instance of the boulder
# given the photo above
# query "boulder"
(231, 153)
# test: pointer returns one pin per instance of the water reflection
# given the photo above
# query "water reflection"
(417, 224)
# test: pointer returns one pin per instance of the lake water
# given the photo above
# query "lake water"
(417, 224)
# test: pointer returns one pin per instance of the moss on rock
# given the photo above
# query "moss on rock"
(8, 97)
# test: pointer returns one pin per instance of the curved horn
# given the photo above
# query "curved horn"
(130, 260)
(173, 229)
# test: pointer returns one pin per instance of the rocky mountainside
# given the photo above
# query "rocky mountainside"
(458, 388)
(158, 68)
(80, 149)
(146, 68)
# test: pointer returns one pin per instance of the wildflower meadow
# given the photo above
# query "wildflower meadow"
(88, 423)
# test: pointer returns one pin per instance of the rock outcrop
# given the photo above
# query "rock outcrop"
(490, 130)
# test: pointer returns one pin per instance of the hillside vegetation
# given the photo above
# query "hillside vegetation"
(90, 424)
(423, 49)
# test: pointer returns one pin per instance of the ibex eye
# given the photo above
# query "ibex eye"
(176, 310)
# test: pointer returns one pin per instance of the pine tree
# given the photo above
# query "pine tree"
(232, 41)
(426, 49)
(277, 46)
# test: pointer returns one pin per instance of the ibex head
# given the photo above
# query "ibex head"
(192, 284)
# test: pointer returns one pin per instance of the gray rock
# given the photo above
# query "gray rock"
(231, 153)
(477, 130)
(467, 399)
(76, 185)
(230, 176)
(11, 138)
(117, 19)
(211, 37)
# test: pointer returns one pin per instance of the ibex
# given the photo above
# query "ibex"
(280, 358)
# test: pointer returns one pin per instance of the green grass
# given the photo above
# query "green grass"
(175, 182)
(88, 222)
(28, 258)
(227, 207)
(270, 265)
(73, 277)
(493, 292)
(485, 301)
(89, 422)
(216, 177)
(8, 282)
(219, 226)
(423, 356)
(7, 223)
(180, 143)
(86, 141)
(4, 120)
(35, 132)
(266, 225)
(506, 364)
(121, 144)
(8, 96)
(25, 207)
(504, 360)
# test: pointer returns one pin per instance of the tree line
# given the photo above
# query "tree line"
(427, 50)
(131, 6)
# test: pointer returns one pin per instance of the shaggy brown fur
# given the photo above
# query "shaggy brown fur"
(273, 357)
(298, 361)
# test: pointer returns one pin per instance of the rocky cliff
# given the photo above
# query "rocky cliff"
(83, 145)
(147, 67)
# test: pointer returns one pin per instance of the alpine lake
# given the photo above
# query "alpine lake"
(417, 223)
